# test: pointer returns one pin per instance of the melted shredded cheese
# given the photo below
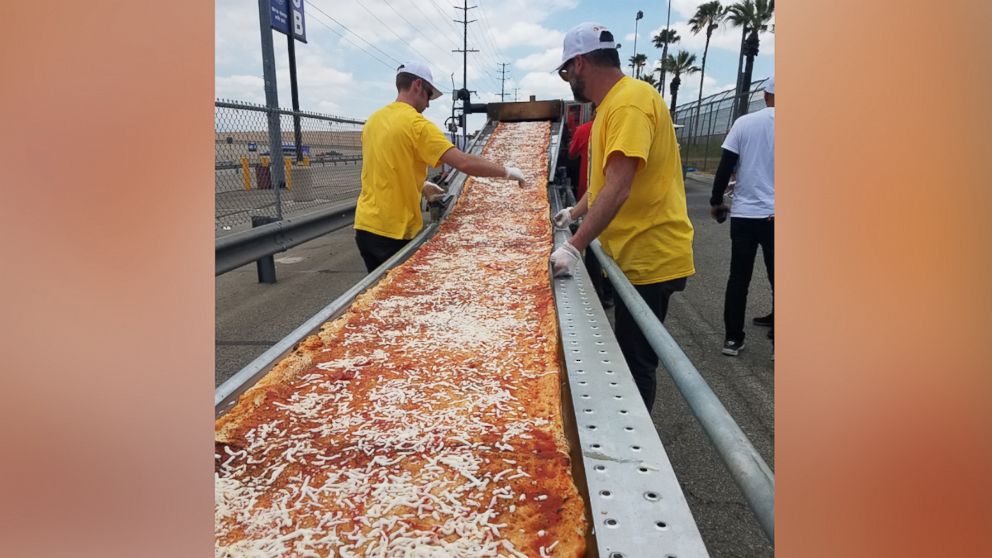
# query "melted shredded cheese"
(422, 429)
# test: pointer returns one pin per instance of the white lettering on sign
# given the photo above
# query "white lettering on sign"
(298, 4)
(297, 22)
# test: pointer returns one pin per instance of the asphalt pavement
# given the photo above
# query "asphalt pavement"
(250, 317)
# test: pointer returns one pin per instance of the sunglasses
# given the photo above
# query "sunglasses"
(429, 90)
(565, 73)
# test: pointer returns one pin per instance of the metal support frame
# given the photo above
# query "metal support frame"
(745, 464)
(235, 250)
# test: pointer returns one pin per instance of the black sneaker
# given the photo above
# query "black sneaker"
(732, 348)
(765, 321)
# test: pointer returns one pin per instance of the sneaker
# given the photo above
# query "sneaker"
(732, 348)
(765, 321)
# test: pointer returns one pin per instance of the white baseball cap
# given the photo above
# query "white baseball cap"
(770, 86)
(423, 72)
(583, 39)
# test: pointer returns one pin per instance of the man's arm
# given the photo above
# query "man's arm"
(620, 170)
(566, 216)
(728, 162)
(581, 207)
(473, 165)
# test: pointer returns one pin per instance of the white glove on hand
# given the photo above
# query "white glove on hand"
(563, 218)
(432, 191)
(515, 174)
(563, 260)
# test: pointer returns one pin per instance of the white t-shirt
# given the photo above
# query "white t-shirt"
(752, 137)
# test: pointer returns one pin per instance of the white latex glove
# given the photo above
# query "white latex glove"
(563, 218)
(515, 174)
(432, 191)
(563, 260)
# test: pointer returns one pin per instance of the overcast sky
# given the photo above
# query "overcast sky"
(337, 77)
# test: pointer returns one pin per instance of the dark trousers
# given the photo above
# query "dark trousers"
(640, 357)
(602, 285)
(375, 249)
(745, 237)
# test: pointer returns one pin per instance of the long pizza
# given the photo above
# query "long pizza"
(426, 421)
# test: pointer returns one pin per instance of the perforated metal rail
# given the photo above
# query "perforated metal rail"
(637, 506)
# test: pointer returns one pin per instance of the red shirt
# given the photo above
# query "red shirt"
(580, 147)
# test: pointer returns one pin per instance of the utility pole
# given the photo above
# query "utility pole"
(465, 50)
(515, 90)
(502, 82)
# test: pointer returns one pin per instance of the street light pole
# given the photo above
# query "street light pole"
(664, 50)
(633, 62)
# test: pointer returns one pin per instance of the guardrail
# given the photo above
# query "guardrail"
(238, 249)
(745, 464)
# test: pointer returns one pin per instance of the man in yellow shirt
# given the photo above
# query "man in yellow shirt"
(635, 201)
(398, 145)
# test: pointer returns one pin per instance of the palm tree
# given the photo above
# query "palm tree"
(637, 62)
(707, 18)
(680, 64)
(649, 78)
(664, 38)
(753, 16)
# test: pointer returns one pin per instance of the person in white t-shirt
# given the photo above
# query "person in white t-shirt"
(748, 150)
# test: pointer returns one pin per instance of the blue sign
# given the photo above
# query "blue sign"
(291, 148)
(286, 15)
(252, 146)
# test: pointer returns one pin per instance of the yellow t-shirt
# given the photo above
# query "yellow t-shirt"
(651, 236)
(398, 144)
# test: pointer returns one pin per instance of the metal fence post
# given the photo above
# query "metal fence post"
(272, 102)
(709, 133)
(266, 265)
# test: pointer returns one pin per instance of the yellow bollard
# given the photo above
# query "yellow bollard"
(289, 172)
(306, 160)
(245, 174)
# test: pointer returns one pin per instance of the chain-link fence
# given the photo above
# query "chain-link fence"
(705, 128)
(321, 168)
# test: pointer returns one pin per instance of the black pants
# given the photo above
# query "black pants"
(602, 285)
(375, 249)
(745, 237)
(636, 351)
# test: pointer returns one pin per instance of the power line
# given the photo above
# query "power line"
(443, 14)
(489, 33)
(414, 49)
(426, 36)
(489, 58)
(441, 32)
(345, 37)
